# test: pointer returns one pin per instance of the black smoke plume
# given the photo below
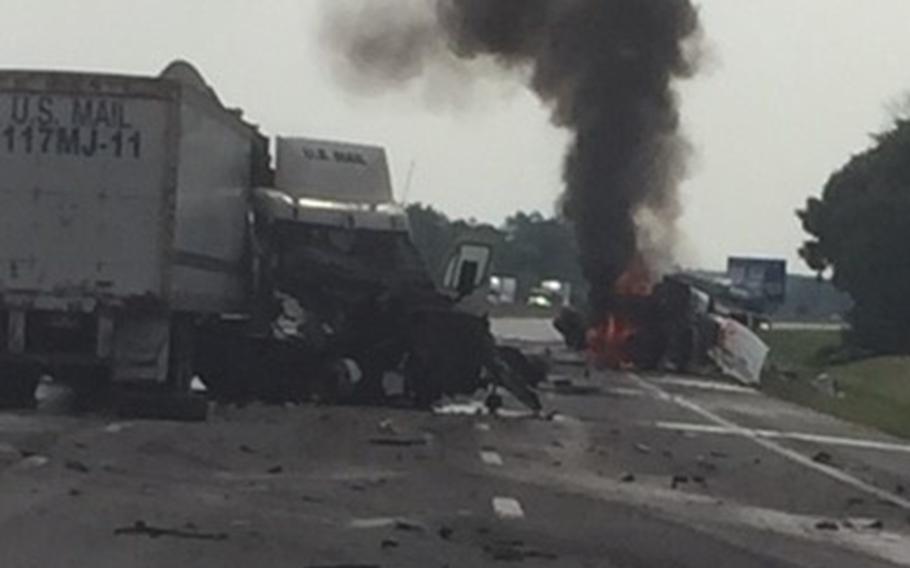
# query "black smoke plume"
(607, 70)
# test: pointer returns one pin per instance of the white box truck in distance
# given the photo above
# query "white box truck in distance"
(123, 216)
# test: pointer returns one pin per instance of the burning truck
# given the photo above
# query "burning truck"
(673, 325)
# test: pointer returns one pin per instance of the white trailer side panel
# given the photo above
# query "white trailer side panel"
(84, 181)
(212, 202)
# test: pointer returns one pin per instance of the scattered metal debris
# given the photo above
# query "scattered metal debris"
(515, 551)
(398, 442)
(823, 458)
(76, 465)
(140, 528)
(445, 533)
(679, 479)
(628, 478)
(827, 526)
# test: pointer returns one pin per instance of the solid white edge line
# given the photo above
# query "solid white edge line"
(792, 455)
(784, 435)
(507, 508)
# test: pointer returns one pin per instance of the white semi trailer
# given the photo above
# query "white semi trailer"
(123, 215)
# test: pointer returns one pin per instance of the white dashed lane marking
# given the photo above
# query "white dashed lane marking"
(507, 508)
(781, 435)
(490, 457)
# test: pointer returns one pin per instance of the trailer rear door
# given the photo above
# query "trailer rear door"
(83, 187)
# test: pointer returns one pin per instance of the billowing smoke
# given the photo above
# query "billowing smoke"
(606, 68)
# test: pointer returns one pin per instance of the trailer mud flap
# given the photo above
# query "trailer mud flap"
(141, 349)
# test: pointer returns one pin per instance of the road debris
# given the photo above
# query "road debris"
(32, 461)
(275, 469)
(76, 465)
(823, 458)
(140, 528)
(643, 448)
(389, 543)
(827, 526)
(445, 533)
(398, 442)
(679, 479)
(628, 478)
(408, 526)
(515, 551)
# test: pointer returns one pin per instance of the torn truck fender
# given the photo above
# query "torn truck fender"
(739, 352)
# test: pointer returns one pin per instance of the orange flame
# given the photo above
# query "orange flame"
(609, 344)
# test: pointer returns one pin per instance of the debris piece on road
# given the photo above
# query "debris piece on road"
(398, 442)
(389, 543)
(246, 449)
(32, 461)
(699, 480)
(643, 448)
(409, 526)
(823, 458)
(516, 551)
(140, 528)
(874, 524)
(74, 493)
(116, 427)
(76, 465)
(678, 480)
(275, 470)
(627, 478)
(445, 533)
(900, 489)
(387, 426)
(827, 526)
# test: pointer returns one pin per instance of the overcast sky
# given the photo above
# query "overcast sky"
(792, 89)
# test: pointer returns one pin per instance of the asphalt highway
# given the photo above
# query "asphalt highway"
(627, 470)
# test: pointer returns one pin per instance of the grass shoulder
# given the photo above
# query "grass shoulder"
(810, 367)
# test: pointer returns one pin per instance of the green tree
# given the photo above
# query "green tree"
(860, 230)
